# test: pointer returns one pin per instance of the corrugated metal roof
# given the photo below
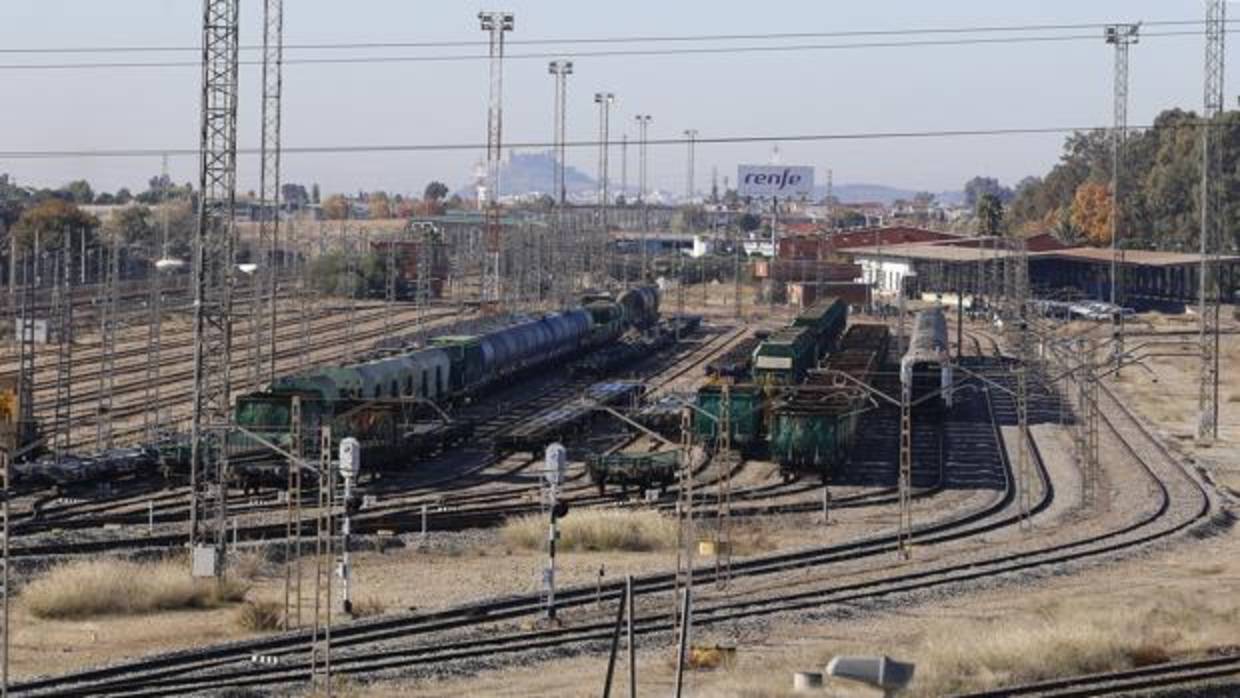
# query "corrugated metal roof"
(945, 253)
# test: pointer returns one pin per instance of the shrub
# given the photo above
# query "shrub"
(596, 529)
(110, 586)
(260, 616)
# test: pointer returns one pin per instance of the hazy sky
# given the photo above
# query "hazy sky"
(1001, 85)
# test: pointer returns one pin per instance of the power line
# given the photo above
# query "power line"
(767, 36)
(700, 140)
(610, 53)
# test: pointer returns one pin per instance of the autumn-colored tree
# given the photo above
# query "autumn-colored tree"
(50, 218)
(1091, 212)
(428, 207)
(380, 205)
(335, 207)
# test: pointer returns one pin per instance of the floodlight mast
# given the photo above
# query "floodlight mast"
(496, 24)
(1121, 36)
(604, 100)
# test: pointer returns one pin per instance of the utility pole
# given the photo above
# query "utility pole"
(1121, 36)
(496, 24)
(643, 123)
(269, 185)
(604, 100)
(214, 256)
(1208, 302)
(691, 136)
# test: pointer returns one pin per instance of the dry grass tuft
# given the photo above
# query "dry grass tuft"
(110, 586)
(260, 616)
(368, 606)
(1069, 639)
(596, 530)
(250, 565)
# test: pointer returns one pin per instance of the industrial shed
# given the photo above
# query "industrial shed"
(1152, 280)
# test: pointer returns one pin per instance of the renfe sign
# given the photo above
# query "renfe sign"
(765, 181)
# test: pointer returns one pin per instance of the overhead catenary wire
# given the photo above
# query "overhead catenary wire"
(608, 53)
(530, 144)
(762, 36)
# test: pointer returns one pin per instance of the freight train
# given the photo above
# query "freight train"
(781, 359)
(393, 406)
(812, 426)
(785, 356)
(806, 418)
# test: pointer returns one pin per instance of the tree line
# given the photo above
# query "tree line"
(1159, 185)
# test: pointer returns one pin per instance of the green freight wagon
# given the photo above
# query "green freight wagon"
(745, 414)
(785, 356)
(813, 425)
(826, 319)
(812, 433)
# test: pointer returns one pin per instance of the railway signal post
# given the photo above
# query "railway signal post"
(555, 460)
(350, 467)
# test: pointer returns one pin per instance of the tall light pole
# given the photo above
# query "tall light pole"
(604, 100)
(560, 254)
(1121, 36)
(691, 137)
(560, 70)
(624, 165)
(643, 123)
(495, 24)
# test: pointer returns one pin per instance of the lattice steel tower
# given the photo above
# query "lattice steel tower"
(496, 23)
(1121, 36)
(269, 186)
(214, 246)
(1208, 301)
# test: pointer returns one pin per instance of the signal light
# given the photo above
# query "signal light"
(560, 510)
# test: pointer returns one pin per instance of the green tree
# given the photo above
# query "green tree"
(132, 225)
(51, 218)
(80, 192)
(989, 214)
(749, 223)
(978, 187)
(435, 191)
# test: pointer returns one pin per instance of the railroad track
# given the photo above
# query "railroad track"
(218, 667)
(168, 675)
(1179, 674)
(400, 513)
(136, 389)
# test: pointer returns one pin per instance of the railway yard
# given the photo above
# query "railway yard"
(1022, 545)
(529, 430)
